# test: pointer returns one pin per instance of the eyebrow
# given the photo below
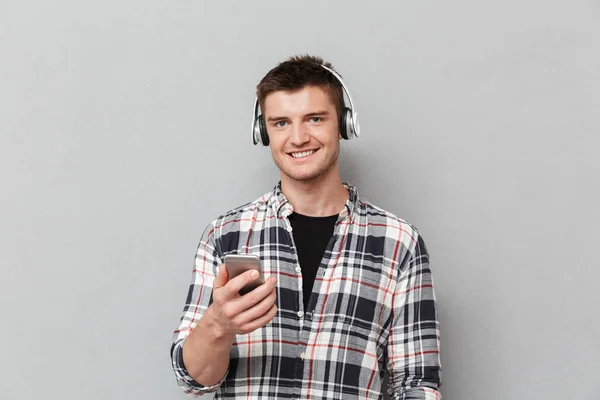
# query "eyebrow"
(312, 114)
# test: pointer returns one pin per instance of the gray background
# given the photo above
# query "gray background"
(125, 130)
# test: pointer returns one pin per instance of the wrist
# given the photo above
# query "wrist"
(215, 330)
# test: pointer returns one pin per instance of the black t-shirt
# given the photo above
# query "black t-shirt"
(311, 236)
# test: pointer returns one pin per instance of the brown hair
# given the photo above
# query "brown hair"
(296, 73)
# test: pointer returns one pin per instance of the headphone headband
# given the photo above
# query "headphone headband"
(339, 78)
(349, 126)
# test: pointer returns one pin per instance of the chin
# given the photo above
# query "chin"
(306, 173)
(301, 177)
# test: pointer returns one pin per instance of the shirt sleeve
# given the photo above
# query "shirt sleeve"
(414, 341)
(199, 297)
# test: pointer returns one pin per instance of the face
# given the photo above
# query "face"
(303, 133)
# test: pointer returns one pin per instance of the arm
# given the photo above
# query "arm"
(206, 351)
(196, 306)
(413, 343)
(214, 313)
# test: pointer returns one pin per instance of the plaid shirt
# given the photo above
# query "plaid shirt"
(372, 309)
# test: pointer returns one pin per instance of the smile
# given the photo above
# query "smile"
(302, 154)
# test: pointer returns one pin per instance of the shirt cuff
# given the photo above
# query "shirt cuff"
(184, 379)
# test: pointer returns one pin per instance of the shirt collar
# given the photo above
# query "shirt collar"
(283, 207)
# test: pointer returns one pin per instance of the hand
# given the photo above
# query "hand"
(233, 314)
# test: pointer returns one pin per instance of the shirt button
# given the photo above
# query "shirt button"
(300, 314)
(298, 269)
(302, 355)
(289, 229)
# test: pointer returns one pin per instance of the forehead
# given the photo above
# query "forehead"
(301, 101)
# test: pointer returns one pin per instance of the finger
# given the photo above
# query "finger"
(237, 283)
(262, 321)
(258, 310)
(221, 278)
(252, 298)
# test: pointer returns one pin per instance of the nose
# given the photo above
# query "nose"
(300, 134)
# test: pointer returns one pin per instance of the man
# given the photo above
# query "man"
(349, 294)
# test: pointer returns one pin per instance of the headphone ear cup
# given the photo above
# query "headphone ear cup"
(256, 136)
(346, 123)
(256, 131)
(264, 137)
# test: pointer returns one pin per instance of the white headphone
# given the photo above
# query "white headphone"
(349, 126)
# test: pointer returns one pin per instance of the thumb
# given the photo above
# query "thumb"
(222, 277)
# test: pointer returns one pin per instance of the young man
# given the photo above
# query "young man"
(349, 294)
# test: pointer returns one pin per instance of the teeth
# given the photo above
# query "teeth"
(303, 154)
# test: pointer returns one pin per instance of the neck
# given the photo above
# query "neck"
(320, 197)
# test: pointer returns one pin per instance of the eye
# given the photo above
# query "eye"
(280, 124)
(316, 120)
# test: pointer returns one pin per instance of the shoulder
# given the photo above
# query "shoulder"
(237, 219)
(382, 223)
